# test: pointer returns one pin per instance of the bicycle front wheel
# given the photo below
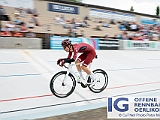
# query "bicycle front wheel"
(102, 81)
(61, 88)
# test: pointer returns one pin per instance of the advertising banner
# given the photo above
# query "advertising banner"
(108, 44)
(133, 108)
(55, 42)
(18, 3)
(140, 45)
(62, 8)
(148, 20)
(111, 15)
(92, 41)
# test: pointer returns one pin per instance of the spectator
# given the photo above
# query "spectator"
(17, 33)
(119, 36)
(133, 27)
(122, 27)
(98, 28)
(16, 12)
(63, 18)
(29, 11)
(104, 24)
(24, 28)
(10, 26)
(18, 21)
(22, 12)
(59, 20)
(135, 37)
(6, 33)
(86, 17)
(85, 23)
(30, 25)
(34, 12)
(30, 34)
(2, 10)
(112, 21)
(34, 20)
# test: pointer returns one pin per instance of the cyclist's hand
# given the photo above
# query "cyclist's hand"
(58, 61)
(62, 63)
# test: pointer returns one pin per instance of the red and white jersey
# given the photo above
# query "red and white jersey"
(80, 48)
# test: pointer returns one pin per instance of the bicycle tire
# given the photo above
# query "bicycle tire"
(54, 78)
(105, 83)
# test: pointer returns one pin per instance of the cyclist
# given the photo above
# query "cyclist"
(88, 54)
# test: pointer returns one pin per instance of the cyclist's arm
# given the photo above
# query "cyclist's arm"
(69, 55)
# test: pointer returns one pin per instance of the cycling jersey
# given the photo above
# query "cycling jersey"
(88, 53)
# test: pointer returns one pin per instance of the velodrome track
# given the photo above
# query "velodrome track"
(25, 77)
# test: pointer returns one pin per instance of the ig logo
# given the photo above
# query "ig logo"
(115, 105)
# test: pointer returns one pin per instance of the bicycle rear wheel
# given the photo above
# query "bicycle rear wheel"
(62, 88)
(102, 81)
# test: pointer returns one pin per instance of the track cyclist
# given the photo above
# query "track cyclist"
(88, 54)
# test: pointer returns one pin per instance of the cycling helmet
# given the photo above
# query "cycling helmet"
(65, 43)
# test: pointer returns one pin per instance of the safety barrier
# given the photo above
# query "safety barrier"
(20, 43)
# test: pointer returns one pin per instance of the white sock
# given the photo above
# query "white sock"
(81, 75)
(92, 76)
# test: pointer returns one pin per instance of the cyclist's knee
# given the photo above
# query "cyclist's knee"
(83, 66)
(77, 61)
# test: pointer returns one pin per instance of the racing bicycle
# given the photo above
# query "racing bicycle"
(63, 83)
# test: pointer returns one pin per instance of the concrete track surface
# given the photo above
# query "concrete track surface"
(25, 76)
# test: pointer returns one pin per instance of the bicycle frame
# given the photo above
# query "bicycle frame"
(69, 70)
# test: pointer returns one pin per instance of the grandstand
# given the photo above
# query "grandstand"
(48, 24)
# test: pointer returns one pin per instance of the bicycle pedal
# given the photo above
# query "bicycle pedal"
(79, 82)
(84, 86)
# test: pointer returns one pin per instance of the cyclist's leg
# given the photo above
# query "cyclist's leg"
(86, 62)
(79, 60)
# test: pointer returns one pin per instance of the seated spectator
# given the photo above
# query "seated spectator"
(85, 23)
(24, 28)
(104, 24)
(16, 12)
(30, 34)
(125, 36)
(86, 17)
(63, 18)
(17, 33)
(119, 36)
(22, 12)
(133, 27)
(2, 10)
(112, 21)
(34, 12)
(30, 25)
(29, 11)
(34, 21)
(98, 28)
(6, 33)
(10, 26)
(18, 21)
(135, 37)
(100, 20)
(78, 22)
(66, 26)
(59, 20)
(122, 27)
